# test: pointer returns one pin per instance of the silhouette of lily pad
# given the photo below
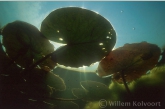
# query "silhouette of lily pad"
(4, 59)
(24, 43)
(41, 77)
(88, 36)
(133, 60)
(6, 63)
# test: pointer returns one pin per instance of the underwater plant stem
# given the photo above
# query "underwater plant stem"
(38, 62)
(122, 75)
(125, 84)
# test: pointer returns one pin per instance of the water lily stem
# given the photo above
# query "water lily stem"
(36, 63)
(125, 84)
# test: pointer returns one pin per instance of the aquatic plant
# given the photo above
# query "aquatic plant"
(28, 58)
(87, 36)
(129, 62)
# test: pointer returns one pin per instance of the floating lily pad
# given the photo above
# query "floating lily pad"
(88, 36)
(24, 43)
(133, 60)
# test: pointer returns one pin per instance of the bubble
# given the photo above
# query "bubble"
(58, 31)
(100, 43)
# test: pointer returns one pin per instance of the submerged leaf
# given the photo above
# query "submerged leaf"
(91, 91)
(133, 60)
(88, 36)
(41, 77)
(96, 89)
(81, 94)
(24, 43)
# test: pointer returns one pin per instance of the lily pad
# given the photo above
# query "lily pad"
(24, 43)
(6, 64)
(133, 60)
(5, 61)
(88, 36)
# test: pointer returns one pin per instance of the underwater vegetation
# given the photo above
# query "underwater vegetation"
(148, 88)
(31, 79)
